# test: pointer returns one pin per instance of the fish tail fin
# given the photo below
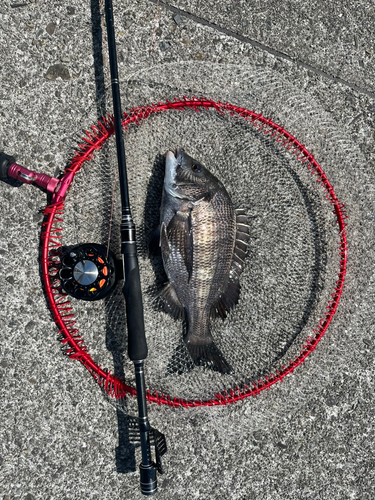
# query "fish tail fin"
(209, 356)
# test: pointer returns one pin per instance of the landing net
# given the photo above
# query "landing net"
(293, 277)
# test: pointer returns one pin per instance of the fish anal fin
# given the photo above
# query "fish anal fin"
(168, 300)
(228, 299)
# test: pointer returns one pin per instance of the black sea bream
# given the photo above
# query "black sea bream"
(204, 242)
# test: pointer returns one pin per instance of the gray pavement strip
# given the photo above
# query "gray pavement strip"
(262, 46)
(311, 436)
(330, 37)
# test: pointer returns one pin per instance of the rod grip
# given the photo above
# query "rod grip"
(137, 346)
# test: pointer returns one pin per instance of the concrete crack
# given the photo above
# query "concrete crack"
(265, 48)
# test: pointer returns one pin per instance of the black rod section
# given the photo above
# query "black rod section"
(117, 105)
(137, 346)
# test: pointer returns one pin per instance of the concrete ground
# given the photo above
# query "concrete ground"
(309, 65)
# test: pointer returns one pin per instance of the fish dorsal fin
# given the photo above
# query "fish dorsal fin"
(241, 247)
(168, 300)
(229, 298)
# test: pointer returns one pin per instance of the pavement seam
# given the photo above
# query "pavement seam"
(266, 48)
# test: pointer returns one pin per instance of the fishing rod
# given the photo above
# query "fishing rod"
(137, 346)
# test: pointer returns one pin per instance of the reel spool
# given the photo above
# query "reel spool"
(87, 273)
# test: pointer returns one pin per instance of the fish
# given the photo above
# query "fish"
(204, 242)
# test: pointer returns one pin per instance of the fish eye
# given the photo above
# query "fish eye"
(195, 168)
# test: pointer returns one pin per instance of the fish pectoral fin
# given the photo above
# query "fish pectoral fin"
(168, 300)
(228, 299)
(180, 235)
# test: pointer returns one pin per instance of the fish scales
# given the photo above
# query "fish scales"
(213, 232)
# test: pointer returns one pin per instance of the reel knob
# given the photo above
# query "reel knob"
(86, 272)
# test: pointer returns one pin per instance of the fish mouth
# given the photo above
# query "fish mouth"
(171, 164)
(172, 161)
(176, 156)
(170, 167)
(172, 178)
(178, 153)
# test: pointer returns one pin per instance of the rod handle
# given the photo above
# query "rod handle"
(137, 346)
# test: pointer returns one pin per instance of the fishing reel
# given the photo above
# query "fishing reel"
(88, 271)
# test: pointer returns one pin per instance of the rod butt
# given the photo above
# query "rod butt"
(148, 479)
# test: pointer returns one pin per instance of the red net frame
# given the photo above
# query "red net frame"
(59, 302)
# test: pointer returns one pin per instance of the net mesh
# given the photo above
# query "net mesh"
(295, 256)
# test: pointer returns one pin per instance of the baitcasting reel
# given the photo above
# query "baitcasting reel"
(88, 271)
